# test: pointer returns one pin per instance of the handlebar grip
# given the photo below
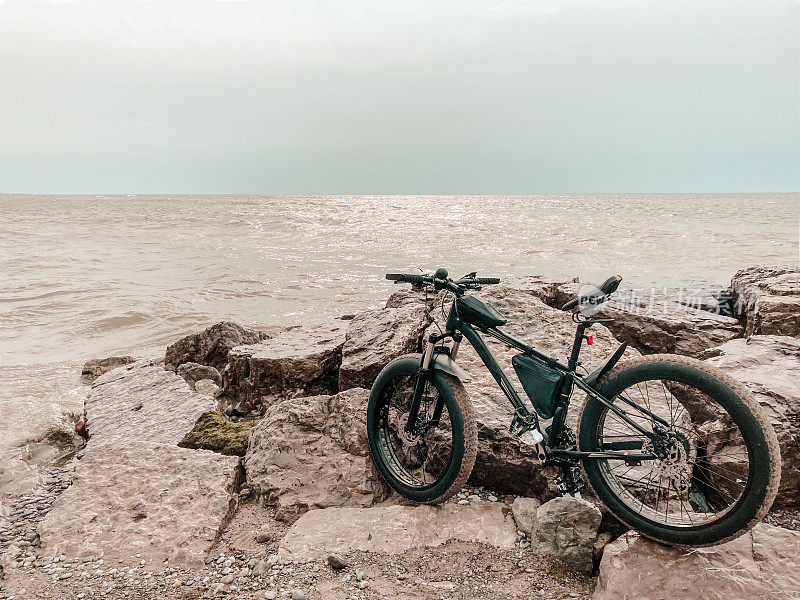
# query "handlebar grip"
(406, 277)
(571, 304)
(487, 280)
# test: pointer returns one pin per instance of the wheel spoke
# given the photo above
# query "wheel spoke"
(420, 457)
(701, 449)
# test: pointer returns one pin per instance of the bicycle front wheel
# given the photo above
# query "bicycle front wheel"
(431, 462)
(718, 464)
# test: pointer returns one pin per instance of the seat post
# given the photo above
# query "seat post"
(576, 345)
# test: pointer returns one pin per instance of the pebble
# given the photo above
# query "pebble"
(337, 562)
(262, 537)
(298, 595)
(270, 595)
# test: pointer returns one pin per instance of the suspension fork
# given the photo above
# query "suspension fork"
(425, 373)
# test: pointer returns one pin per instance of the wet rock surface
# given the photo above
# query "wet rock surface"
(761, 565)
(142, 402)
(301, 361)
(157, 500)
(769, 365)
(134, 488)
(311, 453)
(767, 299)
(211, 347)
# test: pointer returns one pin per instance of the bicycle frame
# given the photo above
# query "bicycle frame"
(524, 419)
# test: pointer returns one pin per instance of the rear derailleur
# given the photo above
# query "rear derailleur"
(571, 481)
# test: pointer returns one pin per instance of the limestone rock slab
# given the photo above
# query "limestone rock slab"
(129, 498)
(312, 452)
(768, 299)
(211, 346)
(395, 529)
(301, 361)
(668, 327)
(769, 365)
(376, 337)
(142, 402)
(764, 564)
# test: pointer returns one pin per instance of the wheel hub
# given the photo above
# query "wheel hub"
(673, 462)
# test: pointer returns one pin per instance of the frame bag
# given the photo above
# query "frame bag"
(542, 384)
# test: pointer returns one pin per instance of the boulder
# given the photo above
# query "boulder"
(769, 365)
(376, 337)
(767, 299)
(566, 530)
(207, 387)
(524, 510)
(193, 372)
(211, 347)
(503, 463)
(216, 432)
(414, 296)
(312, 452)
(129, 498)
(667, 327)
(301, 361)
(142, 402)
(763, 564)
(395, 529)
(92, 369)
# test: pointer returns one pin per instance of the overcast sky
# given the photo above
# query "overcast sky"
(370, 96)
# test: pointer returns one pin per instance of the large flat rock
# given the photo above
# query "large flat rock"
(309, 453)
(301, 361)
(135, 491)
(395, 529)
(157, 500)
(769, 365)
(761, 565)
(142, 402)
(768, 300)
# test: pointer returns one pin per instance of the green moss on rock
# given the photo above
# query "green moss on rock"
(214, 431)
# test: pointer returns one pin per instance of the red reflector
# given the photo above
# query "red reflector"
(589, 339)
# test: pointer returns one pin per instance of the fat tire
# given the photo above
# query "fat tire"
(459, 407)
(747, 511)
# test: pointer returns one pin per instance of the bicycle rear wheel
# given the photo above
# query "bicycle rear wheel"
(718, 467)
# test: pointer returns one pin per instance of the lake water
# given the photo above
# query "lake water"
(90, 276)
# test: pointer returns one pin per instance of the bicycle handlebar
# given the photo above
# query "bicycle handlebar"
(458, 286)
(407, 278)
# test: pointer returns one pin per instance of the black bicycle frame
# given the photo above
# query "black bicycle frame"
(523, 417)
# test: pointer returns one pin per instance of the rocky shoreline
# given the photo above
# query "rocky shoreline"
(237, 465)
